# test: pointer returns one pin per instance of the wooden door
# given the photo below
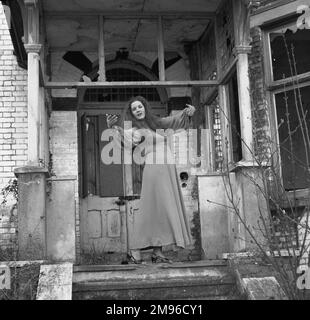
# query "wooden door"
(102, 220)
(109, 194)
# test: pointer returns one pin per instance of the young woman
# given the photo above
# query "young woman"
(162, 220)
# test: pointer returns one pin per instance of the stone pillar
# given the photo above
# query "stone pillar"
(32, 178)
(31, 212)
(33, 51)
(252, 205)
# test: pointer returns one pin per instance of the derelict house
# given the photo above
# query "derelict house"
(66, 65)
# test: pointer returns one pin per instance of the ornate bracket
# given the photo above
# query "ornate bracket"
(33, 25)
(242, 10)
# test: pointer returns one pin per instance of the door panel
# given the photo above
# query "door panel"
(103, 225)
(132, 210)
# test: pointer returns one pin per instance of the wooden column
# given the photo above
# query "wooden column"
(161, 51)
(33, 49)
(102, 74)
(242, 49)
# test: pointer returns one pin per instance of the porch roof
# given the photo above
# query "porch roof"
(72, 25)
(131, 5)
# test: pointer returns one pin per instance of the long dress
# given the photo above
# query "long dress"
(162, 216)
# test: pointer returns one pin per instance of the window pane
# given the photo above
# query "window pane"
(290, 51)
(292, 147)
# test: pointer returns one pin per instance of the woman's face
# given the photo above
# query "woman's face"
(138, 110)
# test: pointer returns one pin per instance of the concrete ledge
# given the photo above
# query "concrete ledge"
(249, 254)
(19, 264)
(62, 178)
(247, 164)
(30, 169)
(267, 288)
(257, 288)
(55, 282)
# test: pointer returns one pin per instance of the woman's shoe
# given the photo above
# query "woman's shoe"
(132, 259)
(159, 259)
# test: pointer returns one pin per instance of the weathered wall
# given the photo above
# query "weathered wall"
(64, 154)
(13, 126)
(188, 187)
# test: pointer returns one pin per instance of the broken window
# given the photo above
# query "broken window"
(293, 107)
(290, 51)
(289, 48)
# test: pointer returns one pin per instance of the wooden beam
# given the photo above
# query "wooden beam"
(161, 50)
(130, 84)
(133, 15)
(288, 82)
(102, 74)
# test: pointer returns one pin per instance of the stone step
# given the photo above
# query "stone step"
(203, 279)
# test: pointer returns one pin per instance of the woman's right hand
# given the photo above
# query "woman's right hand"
(111, 120)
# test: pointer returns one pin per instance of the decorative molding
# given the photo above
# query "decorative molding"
(242, 50)
(33, 47)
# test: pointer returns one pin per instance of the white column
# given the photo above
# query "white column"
(102, 71)
(245, 101)
(161, 50)
(33, 51)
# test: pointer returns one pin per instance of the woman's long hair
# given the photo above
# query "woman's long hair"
(150, 121)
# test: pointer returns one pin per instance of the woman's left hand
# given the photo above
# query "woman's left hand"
(190, 110)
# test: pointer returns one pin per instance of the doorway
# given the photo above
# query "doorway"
(109, 194)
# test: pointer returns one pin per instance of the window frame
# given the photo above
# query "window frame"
(274, 87)
(278, 84)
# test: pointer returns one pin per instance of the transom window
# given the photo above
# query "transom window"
(121, 94)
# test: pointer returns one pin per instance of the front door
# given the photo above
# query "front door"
(109, 194)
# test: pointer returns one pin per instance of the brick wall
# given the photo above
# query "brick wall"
(64, 154)
(13, 126)
(258, 95)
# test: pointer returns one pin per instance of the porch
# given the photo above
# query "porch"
(84, 63)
